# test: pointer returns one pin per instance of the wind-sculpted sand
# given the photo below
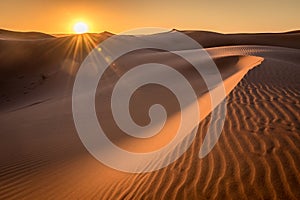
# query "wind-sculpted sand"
(256, 157)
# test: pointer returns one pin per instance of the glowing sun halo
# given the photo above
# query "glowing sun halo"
(80, 28)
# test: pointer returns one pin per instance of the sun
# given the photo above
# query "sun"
(80, 27)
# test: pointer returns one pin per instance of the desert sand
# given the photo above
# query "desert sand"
(256, 157)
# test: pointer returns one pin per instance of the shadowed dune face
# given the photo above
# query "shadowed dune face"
(257, 155)
(26, 65)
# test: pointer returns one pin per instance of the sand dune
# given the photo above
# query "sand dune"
(13, 35)
(256, 157)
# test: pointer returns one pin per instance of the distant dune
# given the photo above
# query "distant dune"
(6, 34)
(256, 157)
(211, 39)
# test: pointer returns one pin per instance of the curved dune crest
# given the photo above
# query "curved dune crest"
(256, 156)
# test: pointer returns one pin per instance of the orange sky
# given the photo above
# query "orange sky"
(58, 16)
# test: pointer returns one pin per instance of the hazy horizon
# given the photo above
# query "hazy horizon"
(58, 17)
